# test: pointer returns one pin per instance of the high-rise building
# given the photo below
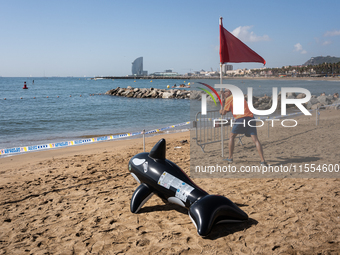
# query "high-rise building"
(226, 68)
(137, 67)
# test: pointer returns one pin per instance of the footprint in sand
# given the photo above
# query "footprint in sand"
(142, 242)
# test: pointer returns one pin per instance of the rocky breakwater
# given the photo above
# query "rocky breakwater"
(259, 102)
(323, 101)
(316, 102)
(149, 93)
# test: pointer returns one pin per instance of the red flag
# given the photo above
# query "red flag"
(232, 50)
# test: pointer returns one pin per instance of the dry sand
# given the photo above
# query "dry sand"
(76, 200)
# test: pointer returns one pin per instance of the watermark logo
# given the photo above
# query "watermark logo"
(238, 99)
(204, 97)
(219, 122)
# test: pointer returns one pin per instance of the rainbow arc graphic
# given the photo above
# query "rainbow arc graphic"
(209, 93)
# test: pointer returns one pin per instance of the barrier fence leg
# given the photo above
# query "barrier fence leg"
(143, 140)
(222, 138)
(316, 117)
(268, 127)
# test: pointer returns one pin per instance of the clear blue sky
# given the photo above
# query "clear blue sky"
(95, 38)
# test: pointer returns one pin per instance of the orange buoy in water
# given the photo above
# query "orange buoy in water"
(25, 86)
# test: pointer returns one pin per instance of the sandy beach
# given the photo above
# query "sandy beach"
(76, 200)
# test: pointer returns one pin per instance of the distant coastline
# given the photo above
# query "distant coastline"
(182, 77)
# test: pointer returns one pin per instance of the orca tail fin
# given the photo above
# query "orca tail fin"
(212, 209)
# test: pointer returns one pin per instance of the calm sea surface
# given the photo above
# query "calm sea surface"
(61, 109)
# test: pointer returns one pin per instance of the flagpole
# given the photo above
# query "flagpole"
(221, 82)
(222, 129)
(233, 50)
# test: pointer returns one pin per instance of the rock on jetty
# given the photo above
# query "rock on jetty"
(328, 102)
(149, 93)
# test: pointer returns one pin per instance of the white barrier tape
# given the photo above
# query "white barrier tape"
(325, 106)
(82, 141)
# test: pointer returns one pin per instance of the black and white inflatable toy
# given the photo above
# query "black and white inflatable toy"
(160, 176)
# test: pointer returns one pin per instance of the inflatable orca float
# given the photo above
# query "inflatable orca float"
(160, 176)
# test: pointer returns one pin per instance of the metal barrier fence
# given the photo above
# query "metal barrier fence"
(208, 133)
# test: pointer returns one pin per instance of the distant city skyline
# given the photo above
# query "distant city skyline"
(72, 38)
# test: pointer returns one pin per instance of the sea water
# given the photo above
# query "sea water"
(61, 109)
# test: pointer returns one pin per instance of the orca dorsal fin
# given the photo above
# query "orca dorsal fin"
(158, 151)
